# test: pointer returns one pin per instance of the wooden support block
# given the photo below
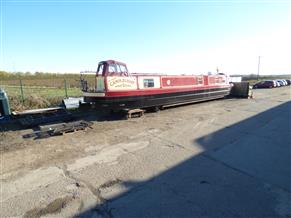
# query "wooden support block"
(135, 113)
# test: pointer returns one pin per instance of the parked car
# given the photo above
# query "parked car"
(265, 84)
(277, 83)
(288, 81)
(285, 81)
(280, 82)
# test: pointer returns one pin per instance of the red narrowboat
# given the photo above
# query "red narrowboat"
(115, 88)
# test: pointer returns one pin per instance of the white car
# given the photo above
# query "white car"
(281, 82)
(285, 82)
(277, 83)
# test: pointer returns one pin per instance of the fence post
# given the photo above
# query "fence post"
(66, 91)
(21, 91)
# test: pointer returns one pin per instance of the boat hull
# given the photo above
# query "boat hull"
(157, 100)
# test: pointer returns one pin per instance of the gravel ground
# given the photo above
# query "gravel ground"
(223, 158)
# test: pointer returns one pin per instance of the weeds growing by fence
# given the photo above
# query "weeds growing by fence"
(38, 93)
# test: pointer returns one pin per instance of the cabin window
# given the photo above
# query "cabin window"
(123, 69)
(100, 70)
(112, 68)
(118, 69)
(200, 80)
(147, 83)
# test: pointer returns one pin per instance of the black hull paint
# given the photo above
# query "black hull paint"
(157, 100)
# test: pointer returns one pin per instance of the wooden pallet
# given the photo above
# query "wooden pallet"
(134, 113)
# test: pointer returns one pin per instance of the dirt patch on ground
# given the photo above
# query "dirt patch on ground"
(54, 207)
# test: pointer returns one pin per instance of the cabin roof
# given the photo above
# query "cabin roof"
(112, 62)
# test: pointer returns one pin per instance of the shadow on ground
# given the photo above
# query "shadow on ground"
(15, 123)
(244, 171)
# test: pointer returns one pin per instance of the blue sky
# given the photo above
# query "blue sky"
(154, 36)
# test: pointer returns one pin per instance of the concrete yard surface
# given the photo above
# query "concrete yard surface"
(222, 158)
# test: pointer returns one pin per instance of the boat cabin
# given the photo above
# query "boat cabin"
(112, 80)
(112, 86)
(112, 68)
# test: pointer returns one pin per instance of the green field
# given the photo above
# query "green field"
(39, 90)
(37, 96)
(48, 92)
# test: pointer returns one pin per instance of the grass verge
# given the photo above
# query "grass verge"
(37, 97)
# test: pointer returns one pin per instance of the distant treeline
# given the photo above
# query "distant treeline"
(37, 75)
(43, 79)
(264, 77)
